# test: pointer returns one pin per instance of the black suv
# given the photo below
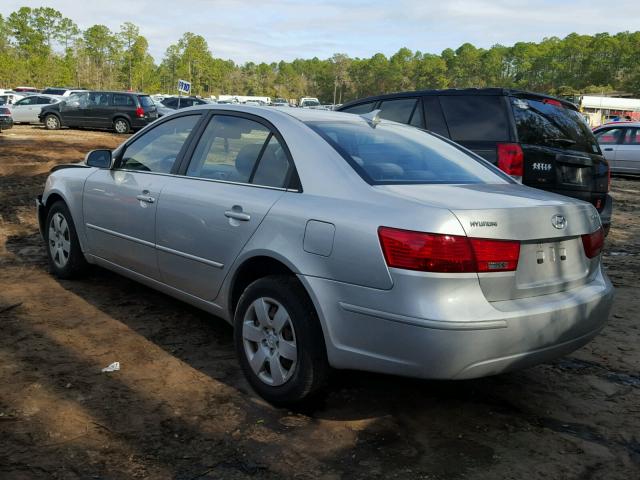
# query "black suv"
(120, 111)
(542, 141)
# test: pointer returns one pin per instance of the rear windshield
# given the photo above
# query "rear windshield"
(146, 101)
(392, 153)
(540, 123)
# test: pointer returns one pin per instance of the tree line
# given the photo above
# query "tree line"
(40, 47)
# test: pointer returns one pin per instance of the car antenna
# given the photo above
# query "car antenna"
(372, 118)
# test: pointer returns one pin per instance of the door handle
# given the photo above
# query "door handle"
(146, 198)
(237, 215)
(608, 149)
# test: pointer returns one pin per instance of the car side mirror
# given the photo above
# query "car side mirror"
(99, 158)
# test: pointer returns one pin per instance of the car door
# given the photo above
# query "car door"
(238, 170)
(21, 109)
(119, 204)
(609, 140)
(73, 109)
(628, 152)
(99, 110)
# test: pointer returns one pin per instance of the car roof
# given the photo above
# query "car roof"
(271, 113)
(618, 124)
(491, 91)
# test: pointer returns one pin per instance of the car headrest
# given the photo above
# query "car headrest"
(247, 158)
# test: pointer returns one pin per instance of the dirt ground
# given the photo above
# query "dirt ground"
(179, 407)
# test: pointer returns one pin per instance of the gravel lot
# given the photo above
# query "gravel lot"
(179, 407)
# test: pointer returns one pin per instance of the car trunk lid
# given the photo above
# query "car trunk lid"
(549, 228)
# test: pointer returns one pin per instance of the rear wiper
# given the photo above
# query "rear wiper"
(565, 141)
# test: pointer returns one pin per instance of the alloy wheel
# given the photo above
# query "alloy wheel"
(59, 240)
(269, 341)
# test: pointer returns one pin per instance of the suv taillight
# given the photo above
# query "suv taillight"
(140, 112)
(435, 252)
(593, 243)
(511, 159)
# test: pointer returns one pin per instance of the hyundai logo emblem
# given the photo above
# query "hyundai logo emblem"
(559, 222)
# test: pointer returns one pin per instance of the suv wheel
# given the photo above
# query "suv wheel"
(121, 125)
(279, 341)
(51, 122)
(63, 248)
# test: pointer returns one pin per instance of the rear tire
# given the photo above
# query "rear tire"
(66, 259)
(279, 341)
(51, 122)
(121, 125)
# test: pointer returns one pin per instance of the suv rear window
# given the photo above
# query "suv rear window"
(122, 100)
(398, 154)
(476, 118)
(540, 123)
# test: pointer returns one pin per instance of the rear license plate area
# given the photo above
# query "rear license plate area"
(574, 175)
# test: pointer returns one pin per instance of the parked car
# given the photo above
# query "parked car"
(620, 143)
(311, 102)
(9, 97)
(120, 111)
(170, 104)
(28, 109)
(6, 120)
(62, 91)
(26, 89)
(540, 140)
(336, 240)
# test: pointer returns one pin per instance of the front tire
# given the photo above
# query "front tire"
(51, 122)
(66, 259)
(121, 125)
(279, 341)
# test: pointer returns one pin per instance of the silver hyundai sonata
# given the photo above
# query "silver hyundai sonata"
(335, 240)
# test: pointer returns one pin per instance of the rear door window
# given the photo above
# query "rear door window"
(435, 117)
(542, 123)
(476, 118)
(360, 108)
(632, 137)
(398, 110)
(228, 149)
(120, 100)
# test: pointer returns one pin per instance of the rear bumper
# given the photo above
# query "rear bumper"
(605, 214)
(6, 123)
(451, 331)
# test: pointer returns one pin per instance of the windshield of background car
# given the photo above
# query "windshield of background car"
(396, 154)
(540, 123)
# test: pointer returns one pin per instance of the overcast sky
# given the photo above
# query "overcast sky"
(270, 30)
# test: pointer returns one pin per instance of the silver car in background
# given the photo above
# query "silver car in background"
(28, 109)
(620, 144)
(335, 240)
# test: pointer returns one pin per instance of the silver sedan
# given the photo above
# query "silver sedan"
(335, 240)
(620, 144)
(28, 109)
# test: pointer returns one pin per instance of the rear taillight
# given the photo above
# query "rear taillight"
(511, 159)
(434, 252)
(495, 255)
(593, 243)
(140, 112)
